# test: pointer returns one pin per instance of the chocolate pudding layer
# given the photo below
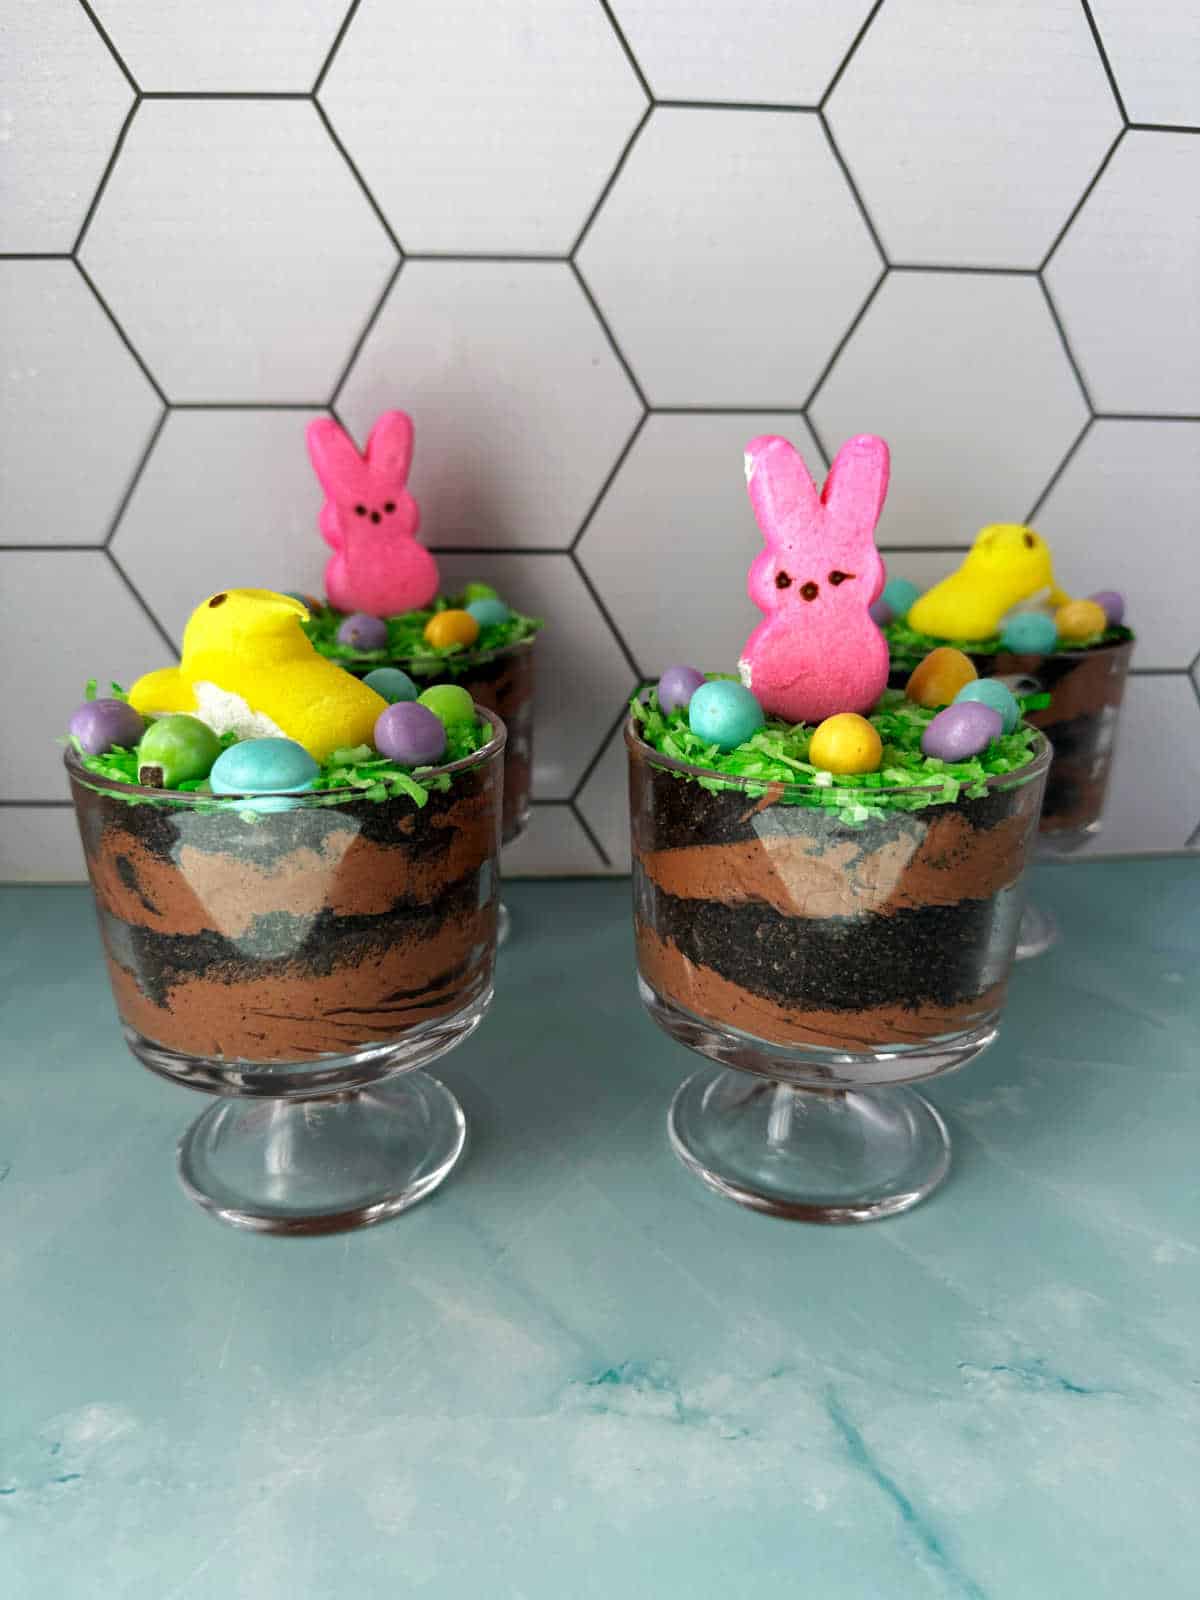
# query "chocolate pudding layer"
(501, 680)
(1085, 688)
(784, 922)
(293, 935)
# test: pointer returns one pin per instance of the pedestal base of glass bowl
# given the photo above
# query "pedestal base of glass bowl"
(813, 1134)
(321, 1146)
(842, 1155)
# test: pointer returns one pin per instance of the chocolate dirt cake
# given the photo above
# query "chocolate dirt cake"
(823, 916)
(1003, 609)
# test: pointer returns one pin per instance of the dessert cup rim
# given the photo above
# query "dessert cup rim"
(464, 658)
(1038, 763)
(307, 799)
(1112, 647)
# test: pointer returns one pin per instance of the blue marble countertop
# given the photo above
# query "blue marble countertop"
(576, 1373)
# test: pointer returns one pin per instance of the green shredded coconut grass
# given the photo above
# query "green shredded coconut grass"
(906, 780)
(359, 773)
(407, 643)
(906, 645)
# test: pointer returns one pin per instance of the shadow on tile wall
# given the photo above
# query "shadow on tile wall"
(594, 247)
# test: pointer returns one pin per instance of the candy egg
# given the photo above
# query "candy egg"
(308, 600)
(1030, 633)
(881, 612)
(936, 680)
(488, 611)
(846, 743)
(1080, 619)
(361, 631)
(478, 591)
(901, 595)
(961, 731)
(176, 749)
(449, 703)
(724, 713)
(1112, 604)
(410, 734)
(263, 766)
(451, 627)
(991, 692)
(392, 684)
(101, 724)
(676, 688)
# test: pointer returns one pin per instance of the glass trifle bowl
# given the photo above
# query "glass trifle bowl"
(823, 957)
(303, 957)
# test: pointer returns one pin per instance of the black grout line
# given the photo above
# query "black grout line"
(985, 272)
(923, 549)
(1104, 61)
(357, 175)
(707, 410)
(498, 550)
(46, 549)
(855, 324)
(609, 335)
(248, 405)
(335, 46)
(853, 187)
(104, 177)
(140, 598)
(633, 61)
(226, 94)
(558, 257)
(606, 485)
(1193, 840)
(1147, 416)
(1083, 199)
(609, 732)
(598, 602)
(1164, 127)
(367, 329)
(36, 805)
(1062, 466)
(136, 477)
(1159, 672)
(782, 107)
(610, 181)
(589, 833)
(849, 56)
(109, 45)
(120, 332)
(1066, 345)
(35, 255)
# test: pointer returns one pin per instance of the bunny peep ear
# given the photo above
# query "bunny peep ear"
(390, 447)
(857, 484)
(781, 488)
(335, 459)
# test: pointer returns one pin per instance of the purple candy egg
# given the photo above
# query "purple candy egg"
(101, 724)
(961, 731)
(1111, 603)
(881, 612)
(410, 734)
(677, 686)
(363, 632)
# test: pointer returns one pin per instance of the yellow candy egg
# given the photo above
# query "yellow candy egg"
(1080, 619)
(451, 627)
(845, 743)
(938, 678)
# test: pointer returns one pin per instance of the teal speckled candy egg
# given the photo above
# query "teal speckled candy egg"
(395, 686)
(264, 767)
(900, 594)
(724, 713)
(489, 611)
(1030, 633)
(991, 692)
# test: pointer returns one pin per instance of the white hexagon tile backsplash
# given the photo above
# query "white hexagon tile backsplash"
(594, 246)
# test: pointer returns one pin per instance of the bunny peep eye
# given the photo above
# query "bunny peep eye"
(360, 511)
(389, 506)
(783, 580)
(836, 577)
(809, 591)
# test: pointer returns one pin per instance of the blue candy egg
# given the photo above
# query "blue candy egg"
(272, 767)
(961, 731)
(991, 692)
(1030, 633)
(900, 594)
(392, 684)
(724, 713)
(488, 613)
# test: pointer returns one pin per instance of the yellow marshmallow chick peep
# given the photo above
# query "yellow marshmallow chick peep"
(1006, 564)
(248, 665)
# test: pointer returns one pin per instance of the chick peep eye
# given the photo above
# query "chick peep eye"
(1030, 541)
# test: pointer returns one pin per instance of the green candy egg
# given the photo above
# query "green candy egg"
(176, 749)
(448, 702)
(478, 591)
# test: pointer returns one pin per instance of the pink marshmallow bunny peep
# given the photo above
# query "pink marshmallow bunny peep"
(370, 520)
(817, 651)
